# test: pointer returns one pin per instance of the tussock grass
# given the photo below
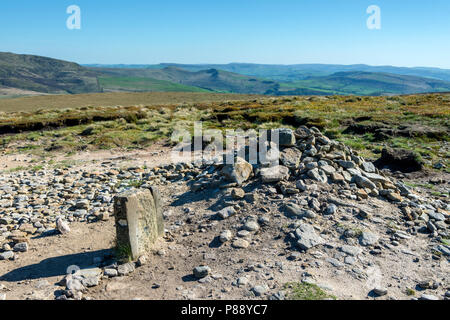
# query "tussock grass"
(44, 102)
(306, 291)
(136, 126)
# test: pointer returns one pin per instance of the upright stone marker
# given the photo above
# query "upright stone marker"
(139, 220)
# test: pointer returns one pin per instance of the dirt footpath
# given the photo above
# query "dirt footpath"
(258, 271)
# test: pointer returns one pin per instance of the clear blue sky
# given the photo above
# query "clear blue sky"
(413, 33)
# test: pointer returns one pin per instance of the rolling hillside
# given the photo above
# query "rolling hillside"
(136, 84)
(31, 75)
(210, 79)
(45, 75)
(366, 83)
(302, 71)
(295, 72)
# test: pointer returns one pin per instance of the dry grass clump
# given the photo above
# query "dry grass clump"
(416, 122)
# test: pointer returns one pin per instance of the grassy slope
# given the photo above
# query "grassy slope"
(144, 84)
(45, 74)
(30, 104)
(365, 83)
(211, 79)
(296, 72)
(138, 126)
(300, 71)
(344, 83)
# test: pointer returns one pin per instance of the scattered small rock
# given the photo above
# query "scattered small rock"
(62, 226)
(240, 244)
(125, 269)
(260, 290)
(202, 271)
(380, 291)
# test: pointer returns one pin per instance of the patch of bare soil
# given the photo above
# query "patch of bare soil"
(35, 274)
(399, 260)
(154, 155)
(168, 274)
(6, 91)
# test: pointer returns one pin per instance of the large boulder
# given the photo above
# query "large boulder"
(290, 157)
(307, 237)
(274, 174)
(295, 211)
(302, 133)
(268, 154)
(399, 160)
(368, 238)
(286, 137)
(376, 177)
(363, 182)
(317, 175)
(238, 172)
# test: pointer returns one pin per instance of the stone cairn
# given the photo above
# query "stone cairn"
(309, 161)
(305, 154)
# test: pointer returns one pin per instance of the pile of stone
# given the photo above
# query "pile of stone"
(315, 181)
(45, 202)
(309, 163)
(77, 284)
(306, 155)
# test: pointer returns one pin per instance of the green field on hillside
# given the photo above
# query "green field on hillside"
(367, 84)
(144, 84)
(22, 75)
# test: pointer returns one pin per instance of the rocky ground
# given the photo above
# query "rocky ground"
(324, 223)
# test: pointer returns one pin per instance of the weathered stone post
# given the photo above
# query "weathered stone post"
(139, 220)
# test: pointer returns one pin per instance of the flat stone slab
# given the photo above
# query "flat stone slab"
(307, 237)
(274, 174)
(368, 238)
(351, 250)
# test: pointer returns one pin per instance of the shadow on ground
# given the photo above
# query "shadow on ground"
(189, 278)
(190, 197)
(215, 195)
(57, 266)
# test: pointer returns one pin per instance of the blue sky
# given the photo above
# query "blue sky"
(413, 32)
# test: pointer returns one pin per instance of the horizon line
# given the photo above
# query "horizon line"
(267, 64)
(228, 63)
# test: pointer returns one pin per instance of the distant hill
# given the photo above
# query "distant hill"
(45, 75)
(139, 84)
(366, 83)
(210, 79)
(31, 75)
(302, 71)
(296, 71)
